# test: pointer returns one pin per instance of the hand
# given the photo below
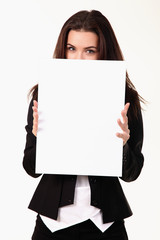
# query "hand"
(125, 135)
(35, 117)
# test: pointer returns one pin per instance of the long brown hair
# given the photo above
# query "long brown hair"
(109, 49)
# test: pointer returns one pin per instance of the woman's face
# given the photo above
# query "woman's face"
(82, 45)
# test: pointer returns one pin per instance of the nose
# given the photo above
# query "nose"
(79, 55)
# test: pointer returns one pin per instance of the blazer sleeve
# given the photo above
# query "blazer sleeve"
(30, 147)
(132, 156)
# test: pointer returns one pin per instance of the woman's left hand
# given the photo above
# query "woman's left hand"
(125, 135)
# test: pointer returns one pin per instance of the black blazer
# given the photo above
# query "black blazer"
(55, 191)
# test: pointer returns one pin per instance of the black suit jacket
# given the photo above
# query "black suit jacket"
(56, 191)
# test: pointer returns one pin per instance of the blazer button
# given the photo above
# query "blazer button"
(94, 203)
(124, 158)
(93, 180)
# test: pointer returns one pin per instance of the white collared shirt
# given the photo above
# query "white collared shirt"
(79, 211)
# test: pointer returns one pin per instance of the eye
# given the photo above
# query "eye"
(90, 51)
(69, 48)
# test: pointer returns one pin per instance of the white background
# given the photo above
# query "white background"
(29, 30)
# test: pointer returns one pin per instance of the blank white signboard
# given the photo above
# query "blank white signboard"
(79, 102)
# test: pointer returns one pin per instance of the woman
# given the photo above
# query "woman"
(81, 207)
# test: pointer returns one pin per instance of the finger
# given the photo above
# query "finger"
(35, 103)
(35, 126)
(125, 110)
(126, 107)
(124, 118)
(120, 123)
(34, 130)
(35, 117)
(123, 136)
(120, 135)
(35, 109)
(123, 126)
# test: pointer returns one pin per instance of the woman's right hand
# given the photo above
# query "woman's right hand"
(35, 117)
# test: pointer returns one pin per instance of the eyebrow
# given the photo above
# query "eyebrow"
(85, 47)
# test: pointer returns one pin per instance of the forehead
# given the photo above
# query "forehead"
(82, 37)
